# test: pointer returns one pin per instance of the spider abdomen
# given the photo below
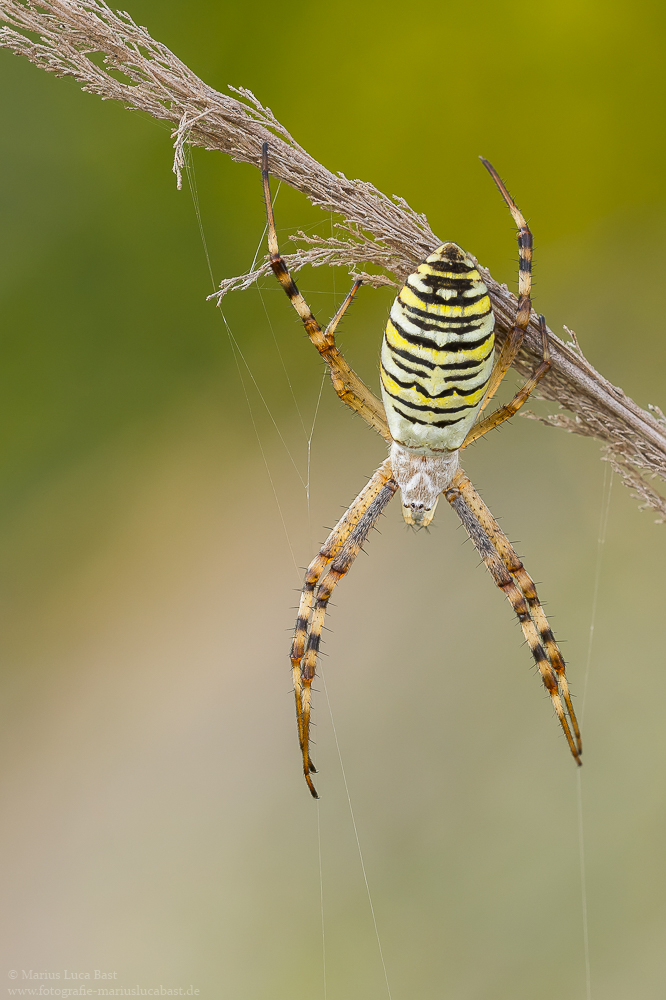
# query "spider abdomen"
(437, 352)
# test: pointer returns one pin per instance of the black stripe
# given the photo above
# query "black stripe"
(452, 391)
(430, 409)
(314, 639)
(456, 325)
(396, 351)
(429, 423)
(450, 266)
(405, 368)
(439, 281)
(449, 348)
(452, 321)
(433, 299)
(462, 377)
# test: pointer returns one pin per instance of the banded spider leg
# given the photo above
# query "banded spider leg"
(491, 542)
(514, 340)
(331, 563)
(508, 572)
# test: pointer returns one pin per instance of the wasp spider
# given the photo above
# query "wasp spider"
(438, 373)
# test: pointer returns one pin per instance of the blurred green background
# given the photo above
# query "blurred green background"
(154, 520)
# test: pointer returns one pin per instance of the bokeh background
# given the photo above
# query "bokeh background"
(155, 516)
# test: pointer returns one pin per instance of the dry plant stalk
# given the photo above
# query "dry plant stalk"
(110, 55)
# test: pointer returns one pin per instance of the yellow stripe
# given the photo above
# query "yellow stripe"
(441, 356)
(409, 298)
(436, 405)
(468, 276)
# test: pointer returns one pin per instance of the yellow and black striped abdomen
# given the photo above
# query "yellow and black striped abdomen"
(437, 352)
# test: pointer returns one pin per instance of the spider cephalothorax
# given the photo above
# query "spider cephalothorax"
(422, 478)
(438, 373)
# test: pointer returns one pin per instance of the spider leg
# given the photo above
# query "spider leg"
(510, 576)
(336, 555)
(349, 387)
(525, 583)
(512, 343)
(507, 411)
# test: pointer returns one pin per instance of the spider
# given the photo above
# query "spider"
(438, 373)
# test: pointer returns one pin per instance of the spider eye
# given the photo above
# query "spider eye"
(416, 514)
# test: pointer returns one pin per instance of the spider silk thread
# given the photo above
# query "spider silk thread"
(601, 541)
(238, 354)
(320, 673)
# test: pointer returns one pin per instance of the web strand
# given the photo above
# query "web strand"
(237, 354)
(601, 542)
(321, 902)
(358, 842)
(583, 888)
